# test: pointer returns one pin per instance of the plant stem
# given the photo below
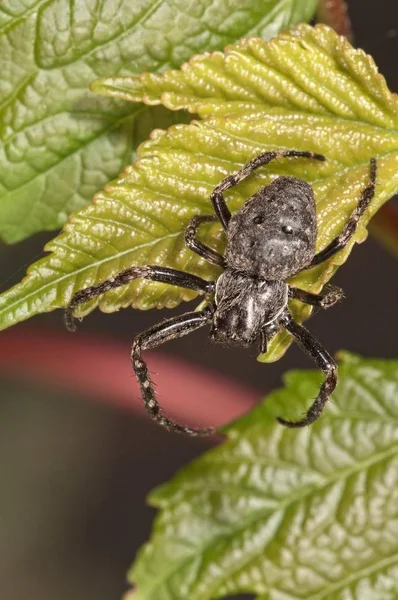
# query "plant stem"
(335, 14)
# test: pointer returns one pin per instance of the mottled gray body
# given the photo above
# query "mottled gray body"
(269, 239)
(273, 235)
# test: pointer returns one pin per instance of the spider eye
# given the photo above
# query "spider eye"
(287, 229)
(258, 219)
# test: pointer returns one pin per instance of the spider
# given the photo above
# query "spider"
(270, 239)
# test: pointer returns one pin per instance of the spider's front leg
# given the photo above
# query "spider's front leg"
(322, 359)
(153, 273)
(217, 197)
(164, 332)
(342, 240)
(330, 297)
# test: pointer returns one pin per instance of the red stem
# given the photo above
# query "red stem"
(335, 14)
(100, 368)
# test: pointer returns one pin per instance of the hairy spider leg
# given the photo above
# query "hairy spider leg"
(197, 246)
(324, 362)
(267, 333)
(331, 296)
(350, 227)
(217, 197)
(158, 334)
(153, 273)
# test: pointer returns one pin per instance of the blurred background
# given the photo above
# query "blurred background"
(77, 457)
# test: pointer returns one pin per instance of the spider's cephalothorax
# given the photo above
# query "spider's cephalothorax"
(271, 238)
(273, 235)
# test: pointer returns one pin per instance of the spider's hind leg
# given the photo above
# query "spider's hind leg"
(164, 332)
(322, 359)
(266, 336)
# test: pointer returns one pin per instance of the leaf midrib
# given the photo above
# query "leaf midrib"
(289, 501)
(119, 36)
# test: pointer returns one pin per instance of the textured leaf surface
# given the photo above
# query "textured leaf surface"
(309, 514)
(58, 142)
(338, 106)
(308, 69)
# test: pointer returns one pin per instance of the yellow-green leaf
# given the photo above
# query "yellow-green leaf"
(330, 100)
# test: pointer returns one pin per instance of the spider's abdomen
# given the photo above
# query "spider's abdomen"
(274, 234)
(244, 305)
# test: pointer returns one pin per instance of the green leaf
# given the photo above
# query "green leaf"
(310, 90)
(58, 142)
(287, 514)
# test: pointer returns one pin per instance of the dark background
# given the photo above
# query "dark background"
(74, 473)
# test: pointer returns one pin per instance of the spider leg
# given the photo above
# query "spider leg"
(153, 273)
(217, 197)
(332, 295)
(163, 332)
(194, 244)
(342, 240)
(322, 359)
(266, 334)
